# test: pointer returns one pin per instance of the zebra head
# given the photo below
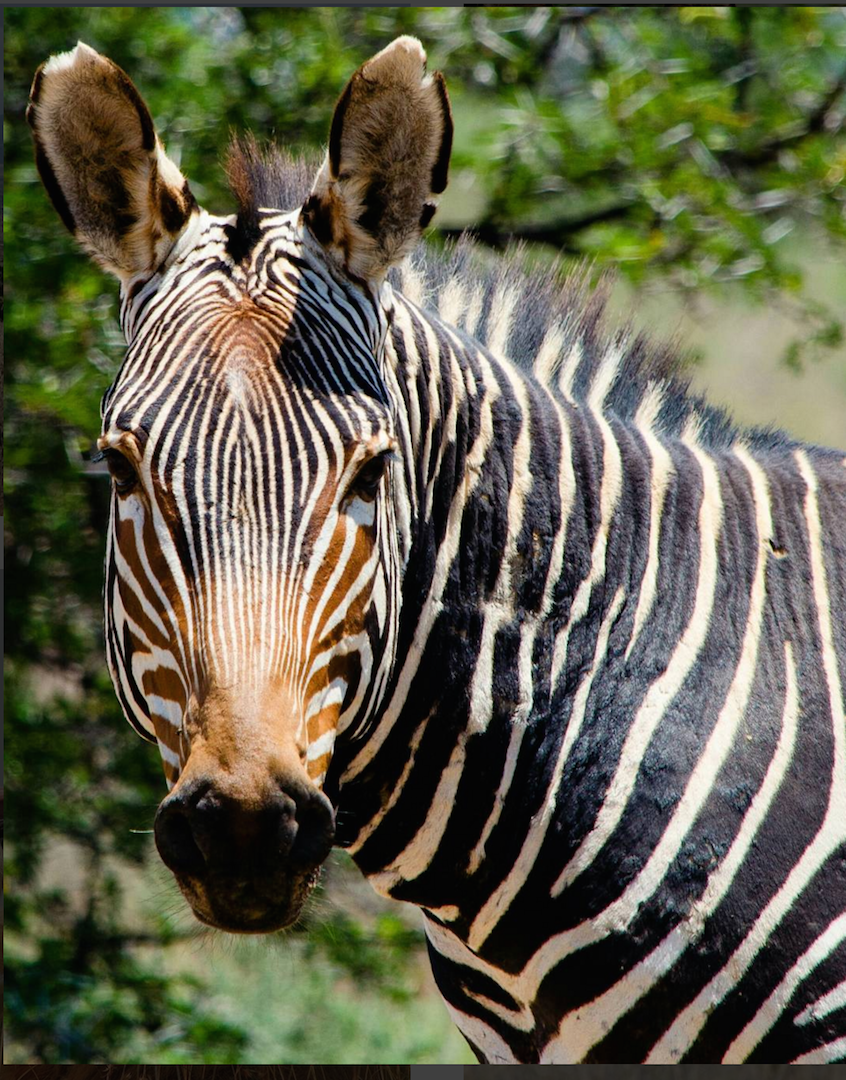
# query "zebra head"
(254, 549)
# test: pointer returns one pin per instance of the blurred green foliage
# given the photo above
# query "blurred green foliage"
(683, 143)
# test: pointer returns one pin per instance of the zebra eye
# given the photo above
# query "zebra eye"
(369, 476)
(122, 472)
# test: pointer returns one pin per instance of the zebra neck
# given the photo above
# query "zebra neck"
(505, 593)
(514, 498)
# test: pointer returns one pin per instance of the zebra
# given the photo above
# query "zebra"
(416, 557)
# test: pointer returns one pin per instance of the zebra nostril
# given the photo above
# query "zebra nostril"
(175, 842)
(287, 826)
(201, 832)
(317, 830)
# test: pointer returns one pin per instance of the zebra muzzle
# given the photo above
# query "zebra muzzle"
(245, 866)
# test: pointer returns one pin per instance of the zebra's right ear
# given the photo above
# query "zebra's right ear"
(102, 163)
(387, 163)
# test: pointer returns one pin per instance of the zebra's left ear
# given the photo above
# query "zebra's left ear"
(387, 162)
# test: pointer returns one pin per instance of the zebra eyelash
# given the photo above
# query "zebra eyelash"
(118, 467)
(365, 483)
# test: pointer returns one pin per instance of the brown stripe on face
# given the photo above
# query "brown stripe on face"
(319, 766)
(169, 735)
(342, 666)
(125, 538)
(164, 683)
(353, 620)
(171, 773)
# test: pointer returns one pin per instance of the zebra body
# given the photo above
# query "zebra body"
(564, 662)
(601, 728)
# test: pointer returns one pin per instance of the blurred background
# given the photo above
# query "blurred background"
(699, 153)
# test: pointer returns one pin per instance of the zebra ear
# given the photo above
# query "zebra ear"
(102, 163)
(387, 162)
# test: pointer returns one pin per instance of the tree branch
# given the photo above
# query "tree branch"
(743, 18)
(555, 233)
(768, 151)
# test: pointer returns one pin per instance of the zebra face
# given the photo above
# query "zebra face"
(252, 561)
(252, 565)
(248, 609)
(251, 526)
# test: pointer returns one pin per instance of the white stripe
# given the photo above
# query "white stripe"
(168, 755)
(333, 694)
(321, 746)
(451, 301)
(411, 282)
(662, 472)
(500, 319)
(834, 999)
(168, 710)
(472, 310)
(605, 376)
(779, 999)
(229, 633)
(549, 354)
(823, 1055)
(448, 913)
(501, 898)
(567, 372)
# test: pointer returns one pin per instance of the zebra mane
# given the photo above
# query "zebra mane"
(261, 177)
(547, 323)
(553, 325)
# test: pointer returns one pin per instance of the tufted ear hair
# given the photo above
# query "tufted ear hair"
(387, 162)
(102, 163)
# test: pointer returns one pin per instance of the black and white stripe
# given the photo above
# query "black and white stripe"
(241, 442)
(603, 746)
(435, 568)
(614, 742)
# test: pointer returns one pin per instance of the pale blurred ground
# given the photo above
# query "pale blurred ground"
(742, 348)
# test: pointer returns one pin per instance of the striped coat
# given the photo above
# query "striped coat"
(422, 560)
